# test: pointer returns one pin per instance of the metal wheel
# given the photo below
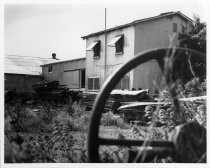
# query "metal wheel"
(160, 54)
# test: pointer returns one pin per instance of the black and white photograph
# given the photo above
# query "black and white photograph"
(105, 82)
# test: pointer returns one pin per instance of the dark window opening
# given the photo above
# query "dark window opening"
(183, 29)
(96, 83)
(50, 69)
(93, 83)
(90, 83)
(97, 49)
(174, 27)
(118, 43)
(82, 79)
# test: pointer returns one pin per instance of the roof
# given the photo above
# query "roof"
(139, 21)
(63, 61)
(25, 65)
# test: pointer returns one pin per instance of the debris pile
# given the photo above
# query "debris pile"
(123, 97)
(50, 91)
(116, 99)
(88, 99)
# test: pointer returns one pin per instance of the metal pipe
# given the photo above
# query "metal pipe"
(105, 48)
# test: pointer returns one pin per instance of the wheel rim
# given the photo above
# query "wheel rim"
(94, 141)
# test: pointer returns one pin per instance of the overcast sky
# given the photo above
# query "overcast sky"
(41, 29)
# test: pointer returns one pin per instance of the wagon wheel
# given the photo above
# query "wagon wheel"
(160, 55)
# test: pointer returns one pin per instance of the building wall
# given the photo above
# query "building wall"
(154, 34)
(67, 73)
(21, 83)
(95, 66)
(138, 38)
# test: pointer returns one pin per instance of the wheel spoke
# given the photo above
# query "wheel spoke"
(126, 142)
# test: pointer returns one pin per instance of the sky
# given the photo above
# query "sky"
(42, 29)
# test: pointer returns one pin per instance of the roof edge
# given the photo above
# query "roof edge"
(63, 61)
(9, 73)
(138, 21)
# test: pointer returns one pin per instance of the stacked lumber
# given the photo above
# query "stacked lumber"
(123, 97)
(115, 99)
(50, 90)
(88, 99)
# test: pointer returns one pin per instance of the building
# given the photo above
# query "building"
(70, 73)
(22, 72)
(107, 50)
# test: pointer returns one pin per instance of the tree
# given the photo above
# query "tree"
(194, 39)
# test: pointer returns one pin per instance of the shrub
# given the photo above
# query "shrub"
(110, 119)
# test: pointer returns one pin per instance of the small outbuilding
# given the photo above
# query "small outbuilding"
(70, 73)
(22, 72)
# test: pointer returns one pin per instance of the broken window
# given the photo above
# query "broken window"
(50, 69)
(93, 83)
(118, 43)
(174, 27)
(96, 48)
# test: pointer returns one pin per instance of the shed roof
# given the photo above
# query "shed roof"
(26, 65)
(139, 21)
(63, 61)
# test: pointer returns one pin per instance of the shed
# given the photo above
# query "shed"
(21, 72)
(68, 72)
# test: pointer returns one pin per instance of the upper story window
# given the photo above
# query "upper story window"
(118, 43)
(50, 69)
(175, 27)
(184, 29)
(95, 47)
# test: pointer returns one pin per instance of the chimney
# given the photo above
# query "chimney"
(54, 56)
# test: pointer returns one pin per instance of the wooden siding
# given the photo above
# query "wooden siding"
(67, 73)
(95, 67)
(153, 34)
(138, 38)
(21, 83)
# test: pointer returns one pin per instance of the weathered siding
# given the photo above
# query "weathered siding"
(154, 34)
(67, 73)
(95, 67)
(71, 79)
(21, 83)
(138, 37)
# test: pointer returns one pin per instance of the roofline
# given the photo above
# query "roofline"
(8, 55)
(6, 73)
(138, 21)
(63, 61)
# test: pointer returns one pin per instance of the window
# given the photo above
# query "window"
(82, 78)
(96, 48)
(118, 43)
(93, 83)
(174, 27)
(183, 29)
(50, 69)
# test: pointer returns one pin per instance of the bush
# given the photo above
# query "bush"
(110, 119)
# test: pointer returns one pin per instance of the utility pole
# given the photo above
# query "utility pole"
(105, 48)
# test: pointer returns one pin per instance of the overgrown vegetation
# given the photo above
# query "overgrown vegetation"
(44, 133)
